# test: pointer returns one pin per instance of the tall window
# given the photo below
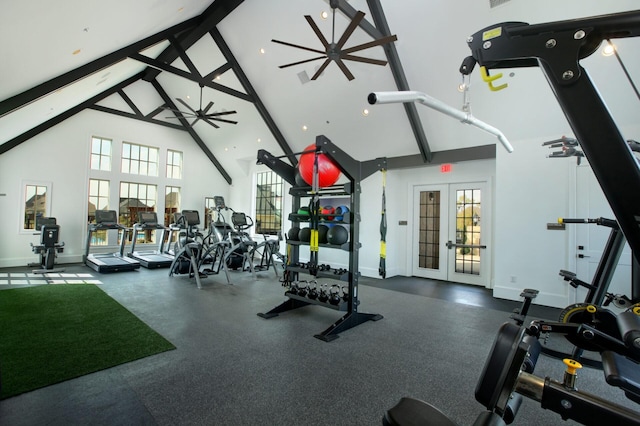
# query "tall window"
(171, 203)
(98, 200)
(174, 164)
(101, 154)
(134, 198)
(139, 159)
(269, 189)
(35, 204)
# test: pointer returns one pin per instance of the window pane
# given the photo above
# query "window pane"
(106, 148)
(126, 150)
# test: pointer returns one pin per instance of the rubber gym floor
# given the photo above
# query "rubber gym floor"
(232, 367)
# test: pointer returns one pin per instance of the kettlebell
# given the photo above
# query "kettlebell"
(324, 295)
(302, 288)
(345, 293)
(313, 290)
(334, 294)
(293, 288)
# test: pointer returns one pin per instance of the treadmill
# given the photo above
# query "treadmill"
(108, 262)
(150, 258)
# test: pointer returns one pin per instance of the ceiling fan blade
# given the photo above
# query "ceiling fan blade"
(209, 105)
(195, 121)
(298, 46)
(365, 60)
(224, 121)
(187, 105)
(345, 70)
(350, 29)
(216, 114)
(322, 67)
(211, 122)
(378, 42)
(316, 30)
(302, 62)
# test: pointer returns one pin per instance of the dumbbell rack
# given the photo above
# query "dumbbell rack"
(355, 171)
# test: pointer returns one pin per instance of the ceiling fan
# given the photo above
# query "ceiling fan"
(334, 51)
(201, 114)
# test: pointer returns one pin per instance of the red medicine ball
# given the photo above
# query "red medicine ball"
(328, 172)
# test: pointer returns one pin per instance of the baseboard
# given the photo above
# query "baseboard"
(555, 300)
(25, 261)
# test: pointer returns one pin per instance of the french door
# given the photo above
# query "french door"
(451, 232)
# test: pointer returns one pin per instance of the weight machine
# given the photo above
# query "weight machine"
(507, 376)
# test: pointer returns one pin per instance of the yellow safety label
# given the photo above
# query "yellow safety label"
(492, 33)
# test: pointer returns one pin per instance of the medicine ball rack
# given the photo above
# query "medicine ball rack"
(355, 171)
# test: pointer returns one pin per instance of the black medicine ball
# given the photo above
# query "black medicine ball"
(293, 233)
(322, 234)
(304, 235)
(337, 235)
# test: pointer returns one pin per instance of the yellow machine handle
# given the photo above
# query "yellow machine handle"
(489, 79)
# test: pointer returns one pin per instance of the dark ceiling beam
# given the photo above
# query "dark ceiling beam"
(129, 102)
(350, 13)
(211, 17)
(135, 116)
(66, 114)
(484, 152)
(185, 74)
(381, 29)
(165, 97)
(30, 95)
(246, 84)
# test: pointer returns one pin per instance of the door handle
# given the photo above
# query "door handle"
(450, 245)
(580, 256)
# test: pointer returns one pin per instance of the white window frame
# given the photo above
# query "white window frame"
(23, 197)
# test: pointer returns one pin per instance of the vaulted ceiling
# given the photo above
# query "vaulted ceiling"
(135, 58)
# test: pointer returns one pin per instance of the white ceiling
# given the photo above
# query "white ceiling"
(40, 38)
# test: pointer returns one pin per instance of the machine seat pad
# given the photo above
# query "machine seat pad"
(413, 412)
(620, 371)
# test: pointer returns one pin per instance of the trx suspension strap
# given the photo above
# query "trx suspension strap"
(382, 269)
(314, 210)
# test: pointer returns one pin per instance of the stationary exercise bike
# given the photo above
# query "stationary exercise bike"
(49, 245)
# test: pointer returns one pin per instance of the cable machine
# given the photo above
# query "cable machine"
(355, 171)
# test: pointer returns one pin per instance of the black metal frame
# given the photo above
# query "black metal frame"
(557, 48)
(355, 171)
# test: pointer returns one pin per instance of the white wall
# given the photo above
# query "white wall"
(60, 156)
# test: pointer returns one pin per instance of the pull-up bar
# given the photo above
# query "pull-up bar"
(464, 117)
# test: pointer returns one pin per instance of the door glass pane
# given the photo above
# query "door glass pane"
(468, 226)
(429, 233)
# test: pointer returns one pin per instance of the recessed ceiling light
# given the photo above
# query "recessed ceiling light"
(462, 87)
(75, 52)
(365, 112)
(608, 50)
(226, 149)
(181, 9)
(324, 14)
(304, 128)
(262, 50)
(218, 77)
(259, 140)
